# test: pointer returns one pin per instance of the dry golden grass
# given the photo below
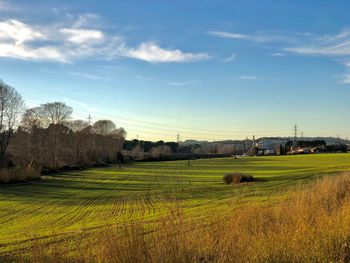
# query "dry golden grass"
(14, 174)
(312, 226)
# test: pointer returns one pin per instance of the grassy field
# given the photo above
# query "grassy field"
(80, 203)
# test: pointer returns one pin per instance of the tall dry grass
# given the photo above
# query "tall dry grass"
(311, 226)
(19, 174)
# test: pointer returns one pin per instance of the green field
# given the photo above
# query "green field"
(72, 203)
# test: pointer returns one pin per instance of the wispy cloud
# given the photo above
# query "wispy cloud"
(228, 35)
(345, 78)
(327, 45)
(261, 36)
(277, 54)
(78, 40)
(17, 32)
(84, 106)
(85, 20)
(230, 58)
(151, 52)
(182, 83)
(142, 78)
(87, 75)
(81, 36)
(334, 46)
(248, 77)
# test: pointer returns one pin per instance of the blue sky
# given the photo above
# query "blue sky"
(209, 70)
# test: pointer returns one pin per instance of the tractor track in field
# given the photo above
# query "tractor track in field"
(112, 204)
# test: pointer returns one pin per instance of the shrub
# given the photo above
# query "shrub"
(236, 178)
(18, 174)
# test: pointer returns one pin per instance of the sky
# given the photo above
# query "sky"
(208, 70)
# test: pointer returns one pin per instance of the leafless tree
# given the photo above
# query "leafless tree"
(104, 127)
(55, 113)
(121, 132)
(76, 125)
(32, 118)
(162, 151)
(11, 108)
(137, 152)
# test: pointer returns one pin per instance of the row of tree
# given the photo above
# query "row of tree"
(48, 137)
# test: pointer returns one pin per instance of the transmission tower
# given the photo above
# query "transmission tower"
(295, 129)
(89, 119)
(178, 138)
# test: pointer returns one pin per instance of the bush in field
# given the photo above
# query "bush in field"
(15, 174)
(236, 178)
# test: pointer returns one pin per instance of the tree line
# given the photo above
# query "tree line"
(46, 137)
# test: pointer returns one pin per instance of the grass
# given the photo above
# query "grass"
(313, 225)
(82, 204)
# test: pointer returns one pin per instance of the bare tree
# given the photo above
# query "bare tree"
(55, 112)
(137, 152)
(161, 151)
(32, 118)
(77, 125)
(121, 132)
(104, 127)
(11, 108)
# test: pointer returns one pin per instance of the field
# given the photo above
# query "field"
(84, 202)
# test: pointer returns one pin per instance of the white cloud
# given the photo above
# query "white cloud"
(15, 40)
(82, 36)
(183, 83)
(249, 77)
(151, 52)
(85, 20)
(346, 79)
(87, 75)
(142, 78)
(14, 30)
(337, 46)
(230, 58)
(261, 36)
(341, 49)
(327, 45)
(66, 43)
(25, 53)
(228, 35)
(278, 54)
